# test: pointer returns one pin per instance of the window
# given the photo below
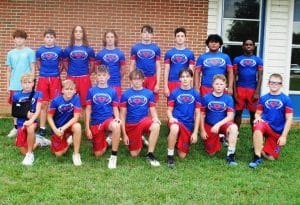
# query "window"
(295, 61)
(241, 19)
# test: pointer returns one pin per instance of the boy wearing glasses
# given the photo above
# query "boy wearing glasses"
(273, 119)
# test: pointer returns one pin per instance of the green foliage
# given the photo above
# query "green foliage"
(198, 179)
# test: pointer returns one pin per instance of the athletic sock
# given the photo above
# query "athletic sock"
(170, 152)
(114, 153)
(230, 150)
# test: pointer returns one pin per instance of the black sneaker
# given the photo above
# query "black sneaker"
(170, 161)
(42, 132)
(152, 160)
(231, 161)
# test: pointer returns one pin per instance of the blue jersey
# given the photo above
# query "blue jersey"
(114, 59)
(216, 108)
(137, 103)
(19, 96)
(274, 108)
(49, 59)
(211, 64)
(178, 59)
(63, 110)
(184, 103)
(78, 57)
(146, 56)
(102, 101)
(247, 68)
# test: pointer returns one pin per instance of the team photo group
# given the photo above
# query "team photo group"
(205, 96)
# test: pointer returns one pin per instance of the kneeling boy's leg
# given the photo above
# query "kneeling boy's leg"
(212, 143)
(76, 130)
(115, 128)
(154, 134)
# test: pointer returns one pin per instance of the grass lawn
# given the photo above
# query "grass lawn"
(198, 179)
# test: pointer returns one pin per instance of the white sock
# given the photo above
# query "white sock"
(230, 150)
(170, 152)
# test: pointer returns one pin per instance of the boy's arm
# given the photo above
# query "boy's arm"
(65, 64)
(235, 73)
(92, 65)
(123, 70)
(258, 85)
(154, 115)
(116, 113)
(170, 114)
(203, 133)
(73, 120)
(257, 116)
(230, 81)
(8, 77)
(32, 66)
(166, 78)
(197, 79)
(87, 122)
(158, 71)
(50, 120)
(228, 118)
(123, 112)
(33, 116)
(287, 126)
(132, 65)
(194, 136)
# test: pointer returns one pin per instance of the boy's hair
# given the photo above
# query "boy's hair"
(147, 28)
(276, 75)
(214, 38)
(84, 36)
(221, 77)
(102, 69)
(68, 84)
(186, 70)
(248, 39)
(19, 33)
(179, 29)
(136, 73)
(27, 77)
(114, 33)
(50, 32)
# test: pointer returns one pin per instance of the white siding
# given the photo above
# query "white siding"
(214, 17)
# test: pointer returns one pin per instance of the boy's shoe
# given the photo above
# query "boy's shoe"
(145, 141)
(70, 140)
(41, 133)
(152, 160)
(28, 159)
(76, 159)
(109, 139)
(170, 161)
(267, 156)
(223, 140)
(12, 133)
(112, 162)
(42, 141)
(231, 161)
(256, 162)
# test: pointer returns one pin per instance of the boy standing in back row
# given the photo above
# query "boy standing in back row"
(20, 60)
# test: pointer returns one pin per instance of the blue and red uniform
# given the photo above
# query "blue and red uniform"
(137, 103)
(102, 101)
(211, 64)
(247, 68)
(215, 109)
(184, 103)
(19, 96)
(178, 59)
(114, 60)
(49, 74)
(63, 111)
(78, 68)
(274, 108)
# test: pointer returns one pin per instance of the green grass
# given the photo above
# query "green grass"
(198, 179)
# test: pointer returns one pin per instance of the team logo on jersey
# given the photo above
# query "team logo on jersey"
(25, 99)
(78, 55)
(277, 149)
(214, 62)
(274, 104)
(102, 98)
(185, 99)
(137, 100)
(146, 54)
(248, 63)
(49, 56)
(111, 58)
(66, 108)
(217, 106)
(179, 59)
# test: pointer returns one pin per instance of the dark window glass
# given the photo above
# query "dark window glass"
(238, 30)
(246, 9)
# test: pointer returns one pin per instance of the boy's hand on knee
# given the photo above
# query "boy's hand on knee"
(281, 141)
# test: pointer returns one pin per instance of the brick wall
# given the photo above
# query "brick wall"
(125, 16)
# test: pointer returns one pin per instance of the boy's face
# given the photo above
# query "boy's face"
(78, 33)
(219, 86)
(68, 92)
(185, 79)
(275, 84)
(137, 82)
(102, 77)
(19, 41)
(180, 38)
(213, 46)
(146, 36)
(49, 40)
(110, 39)
(248, 47)
(27, 85)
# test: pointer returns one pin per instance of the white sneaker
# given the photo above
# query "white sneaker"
(12, 133)
(76, 159)
(112, 163)
(70, 140)
(42, 141)
(109, 139)
(145, 141)
(28, 159)
(153, 161)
